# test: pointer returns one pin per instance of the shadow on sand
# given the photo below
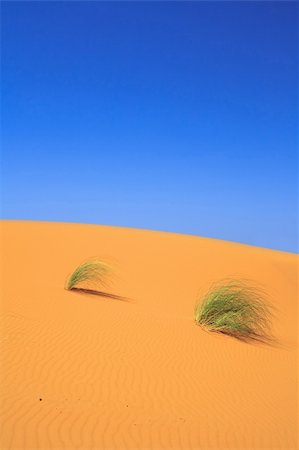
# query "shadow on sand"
(251, 338)
(100, 294)
(254, 339)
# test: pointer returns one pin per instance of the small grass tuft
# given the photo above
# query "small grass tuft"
(237, 309)
(89, 275)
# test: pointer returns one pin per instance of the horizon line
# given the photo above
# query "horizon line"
(296, 253)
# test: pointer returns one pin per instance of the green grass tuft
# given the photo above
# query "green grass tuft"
(235, 308)
(90, 274)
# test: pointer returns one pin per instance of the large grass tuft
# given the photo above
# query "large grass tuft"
(89, 275)
(235, 308)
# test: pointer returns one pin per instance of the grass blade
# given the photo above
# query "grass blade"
(235, 308)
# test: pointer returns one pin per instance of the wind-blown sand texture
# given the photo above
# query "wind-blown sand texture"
(80, 371)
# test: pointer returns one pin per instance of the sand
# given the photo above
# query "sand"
(87, 372)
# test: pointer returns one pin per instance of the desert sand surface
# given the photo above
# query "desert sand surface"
(80, 371)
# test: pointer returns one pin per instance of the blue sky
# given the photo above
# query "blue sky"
(175, 116)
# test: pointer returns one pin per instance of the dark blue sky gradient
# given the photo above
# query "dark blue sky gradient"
(176, 116)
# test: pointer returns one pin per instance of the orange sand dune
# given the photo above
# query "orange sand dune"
(86, 372)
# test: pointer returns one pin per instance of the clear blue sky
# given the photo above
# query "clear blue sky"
(175, 116)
